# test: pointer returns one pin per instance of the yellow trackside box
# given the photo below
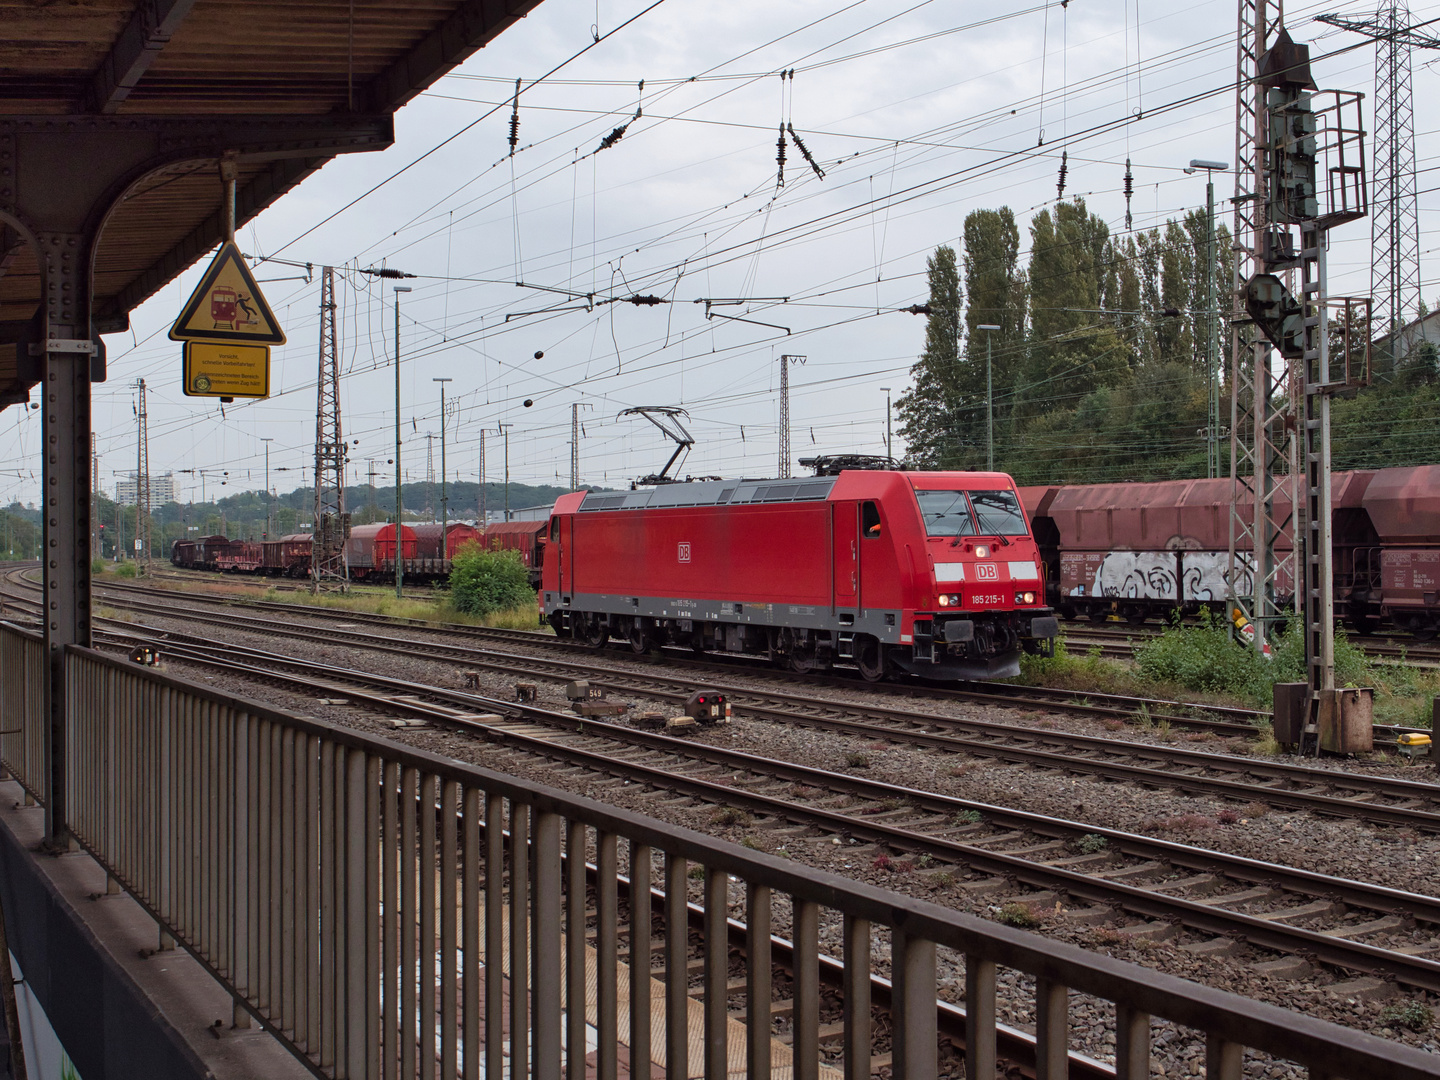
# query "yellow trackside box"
(1413, 744)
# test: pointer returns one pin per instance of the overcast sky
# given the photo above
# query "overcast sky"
(917, 113)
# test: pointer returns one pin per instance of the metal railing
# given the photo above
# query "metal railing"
(389, 913)
(24, 732)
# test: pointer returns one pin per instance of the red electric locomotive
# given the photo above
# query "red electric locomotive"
(932, 573)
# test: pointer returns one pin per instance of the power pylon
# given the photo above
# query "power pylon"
(142, 482)
(785, 362)
(332, 523)
(1395, 215)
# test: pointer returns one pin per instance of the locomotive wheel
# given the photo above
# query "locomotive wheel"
(596, 634)
(639, 643)
(870, 658)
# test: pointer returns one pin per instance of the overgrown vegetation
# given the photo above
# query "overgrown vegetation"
(1205, 657)
(1098, 356)
(1201, 662)
(483, 582)
(1021, 916)
(1415, 1015)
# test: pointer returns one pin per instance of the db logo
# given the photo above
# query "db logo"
(987, 572)
(684, 553)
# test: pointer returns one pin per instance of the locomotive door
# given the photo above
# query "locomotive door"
(564, 553)
(845, 542)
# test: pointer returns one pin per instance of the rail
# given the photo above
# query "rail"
(368, 902)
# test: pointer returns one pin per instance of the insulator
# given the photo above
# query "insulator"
(804, 151)
(515, 120)
(1129, 190)
(1064, 168)
(780, 159)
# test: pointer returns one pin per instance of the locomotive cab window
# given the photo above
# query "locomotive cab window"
(870, 520)
(555, 528)
(971, 513)
(998, 513)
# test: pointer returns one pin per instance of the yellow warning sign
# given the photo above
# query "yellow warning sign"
(228, 306)
(219, 369)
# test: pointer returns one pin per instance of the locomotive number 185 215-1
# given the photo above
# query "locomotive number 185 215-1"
(983, 601)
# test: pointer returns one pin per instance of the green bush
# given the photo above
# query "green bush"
(483, 581)
(1207, 658)
(125, 569)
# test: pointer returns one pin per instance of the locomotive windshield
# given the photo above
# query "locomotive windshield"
(971, 513)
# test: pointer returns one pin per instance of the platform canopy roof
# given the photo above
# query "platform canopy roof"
(179, 85)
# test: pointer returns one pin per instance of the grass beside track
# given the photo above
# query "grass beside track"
(1201, 664)
(369, 599)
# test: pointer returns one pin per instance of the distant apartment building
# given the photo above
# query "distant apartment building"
(162, 490)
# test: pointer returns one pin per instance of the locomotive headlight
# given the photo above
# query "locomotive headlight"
(982, 551)
(944, 600)
(1024, 598)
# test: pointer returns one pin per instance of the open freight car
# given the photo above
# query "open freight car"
(931, 573)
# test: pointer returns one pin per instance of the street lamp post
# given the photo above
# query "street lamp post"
(399, 502)
(887, 421)
(989, 397)
(1212, 423)
(444, 500)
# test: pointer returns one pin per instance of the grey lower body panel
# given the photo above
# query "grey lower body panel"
(883, 625)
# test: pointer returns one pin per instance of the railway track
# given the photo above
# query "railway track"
(1374, 799)
(1226, 720)
(1204, 901)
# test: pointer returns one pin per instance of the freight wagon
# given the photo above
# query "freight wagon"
(1142, 551)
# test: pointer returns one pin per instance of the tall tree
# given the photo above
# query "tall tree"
(929, 410)
(995, 285)
(1071, 346)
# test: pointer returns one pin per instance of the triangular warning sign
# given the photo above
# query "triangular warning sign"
(228, 306)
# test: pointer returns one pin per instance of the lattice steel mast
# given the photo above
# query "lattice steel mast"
(785, 362)
(142, 481)
(1395, 216)
(332, 523)
(1260, 449)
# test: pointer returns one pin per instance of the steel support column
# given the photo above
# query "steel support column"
(59, 178)
(65, 258)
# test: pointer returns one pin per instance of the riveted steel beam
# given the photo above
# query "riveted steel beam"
(134, 50)
(470, 27)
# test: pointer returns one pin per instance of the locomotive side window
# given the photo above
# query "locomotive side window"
(555, 528)
(870, 520)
